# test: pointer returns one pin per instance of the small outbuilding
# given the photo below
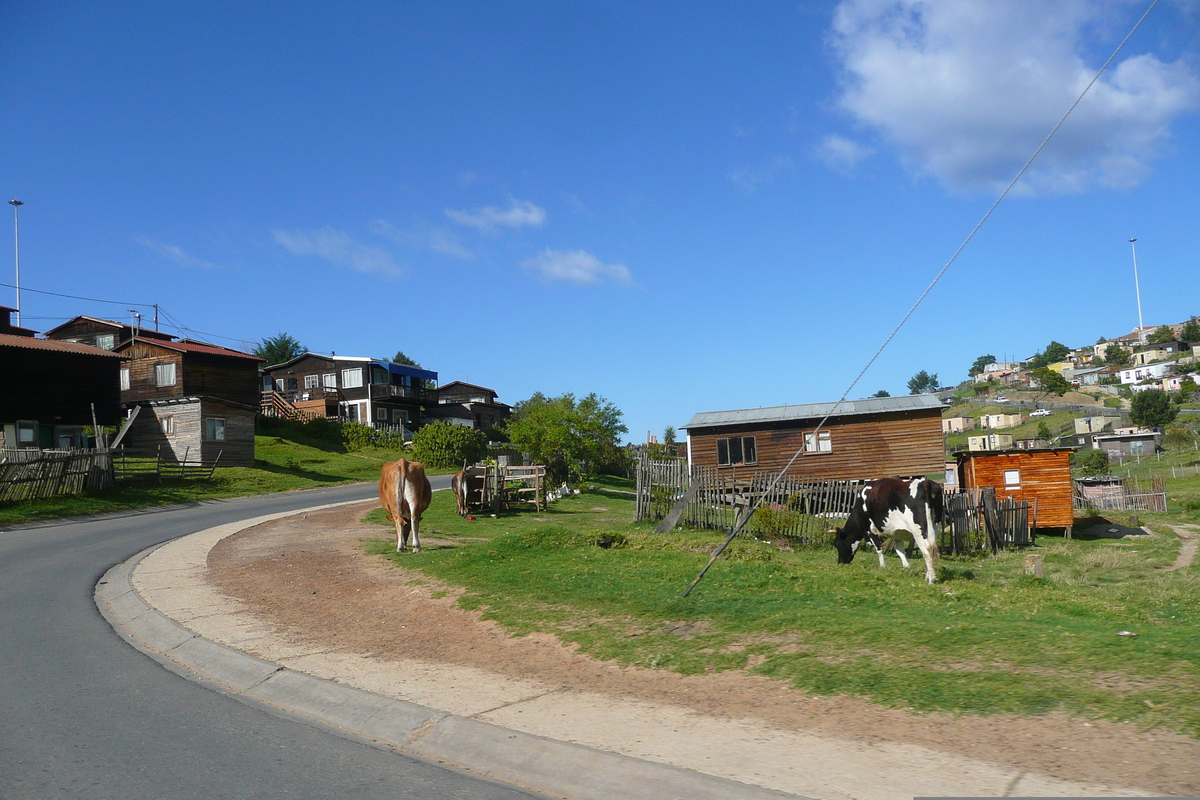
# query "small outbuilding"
(1042, 475)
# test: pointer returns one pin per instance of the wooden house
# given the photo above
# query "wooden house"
(103, 333)
(51, 388)
(375, 392)
(194, 429)
(467, 404)
(1043, 476)
(872, 438)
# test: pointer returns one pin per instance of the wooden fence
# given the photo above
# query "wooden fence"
(798, 512)
(37, 474)
(160, 463)
(1115, 493)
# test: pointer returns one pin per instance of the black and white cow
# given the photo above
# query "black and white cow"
(887, 505)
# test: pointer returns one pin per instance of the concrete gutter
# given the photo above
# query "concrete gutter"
(160, 602)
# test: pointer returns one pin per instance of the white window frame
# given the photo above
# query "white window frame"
(818, 442)
(279, 384)
(124, 379)
(352, 378)
(106, 341)
(329, 380)
(164, 371)
(310, 381)
(166, 423)
(1012, 479)
(217, 429)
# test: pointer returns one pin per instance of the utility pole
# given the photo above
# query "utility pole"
(1138, 287)
(16, 204)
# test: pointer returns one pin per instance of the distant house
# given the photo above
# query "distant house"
(461, 403)
(1033, 443)
(1094, 424)
(994, 421)
(1092, 377)
(989, 441)
(51, 389)
(1161, 351)
(1001, 375)
(958, 424)
(876, 437)
(375, 392)
(192, 399)
(1149, 372)
(1041, 477)
(1128, 444)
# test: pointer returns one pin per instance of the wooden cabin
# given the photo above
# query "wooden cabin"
(1041, 475)
(466, 404)
(872, 438)
(103, 333)
(160, 369)
(194, 429)
(51, 388)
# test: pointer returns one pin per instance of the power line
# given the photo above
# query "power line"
(76, 297)
(741, 523)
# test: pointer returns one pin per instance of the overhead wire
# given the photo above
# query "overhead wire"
(745, 517)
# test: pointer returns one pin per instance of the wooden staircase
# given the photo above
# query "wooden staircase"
(275, 405)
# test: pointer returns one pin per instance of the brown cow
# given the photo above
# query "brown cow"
(405, 492)
(463, 484)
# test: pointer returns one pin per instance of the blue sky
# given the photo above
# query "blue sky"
(683, 207)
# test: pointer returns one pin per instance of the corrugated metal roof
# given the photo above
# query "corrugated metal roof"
(847, 408)
(29, 343)
(197, 347)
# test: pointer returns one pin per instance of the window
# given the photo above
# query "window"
(400, 416)
(352, 378)
(106, 341)
(329, 380)
(125, 379)
(167, 424)
(164, 374)
(737, 450)
(310, 381)
(1012, 479)
(279, 384)
(214, 429)
(27, 434)
(293, 384)
(381, 414)
(819, 442)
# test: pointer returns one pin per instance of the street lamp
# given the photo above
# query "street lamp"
(16, 204)
(1138, 287)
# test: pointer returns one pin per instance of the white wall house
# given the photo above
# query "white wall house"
(1149, 372)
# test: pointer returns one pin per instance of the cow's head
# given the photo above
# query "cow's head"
(846, 547)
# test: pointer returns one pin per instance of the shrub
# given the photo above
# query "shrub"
(441, 445)
(1088, 463)
(356, 436)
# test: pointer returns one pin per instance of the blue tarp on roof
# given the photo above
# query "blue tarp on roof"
(401, 369)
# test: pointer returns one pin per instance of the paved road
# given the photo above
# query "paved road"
(84, 715)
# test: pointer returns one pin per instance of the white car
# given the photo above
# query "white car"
(1002, 400)
(1041, 412)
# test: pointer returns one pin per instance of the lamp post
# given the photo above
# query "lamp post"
(1138, 287)
(16, 204)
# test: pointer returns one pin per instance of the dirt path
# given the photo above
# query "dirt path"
(1189, 543)
(308, 576)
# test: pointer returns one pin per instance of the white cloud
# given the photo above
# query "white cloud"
(966, 90)
(424, 237)
(174, 254)
(576, 266)
(339, 249)
(748, 179)
(519, 214)
(841, 154)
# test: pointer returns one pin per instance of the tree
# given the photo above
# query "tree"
(279, 348)
(1051, 381)
(979, 364)
(922, 382)
(1161, 334)
(1152, 409)
(1043, 431)
(1190, 332)
(669, 437)
(1117, 356)
(400, 358)
(1054, 352)
(1090, 463)
(573, 438)
(444, 446)
(882, 393)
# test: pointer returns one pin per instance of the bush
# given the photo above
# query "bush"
(1089, 463)
(440, 445)
(356, 436)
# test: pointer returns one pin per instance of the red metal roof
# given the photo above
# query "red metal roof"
(197, 347)
(29, 343)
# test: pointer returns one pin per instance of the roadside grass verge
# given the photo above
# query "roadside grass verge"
(281, 465)
(986, 639)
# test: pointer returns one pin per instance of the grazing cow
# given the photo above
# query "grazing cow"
(464, 485)
(405, 492)
(888, 505)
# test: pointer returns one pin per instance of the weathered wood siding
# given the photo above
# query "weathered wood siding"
(187, 437)
(143, 358)
(228, 378)
(1045, 476)
(907, 443)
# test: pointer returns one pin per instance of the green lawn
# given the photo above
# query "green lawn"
(985, 639)
(282, 465)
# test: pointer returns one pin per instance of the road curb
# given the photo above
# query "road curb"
(532, 762)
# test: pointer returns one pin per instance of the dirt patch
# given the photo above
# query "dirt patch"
(308, 575)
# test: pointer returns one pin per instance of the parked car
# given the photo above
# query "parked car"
(1002, 400)
(1041, 412)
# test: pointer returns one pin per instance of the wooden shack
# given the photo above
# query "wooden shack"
(872, 438)
(195, 429)
(1042, 475)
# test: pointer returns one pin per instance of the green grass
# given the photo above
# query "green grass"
(281, 464)
(986, 639)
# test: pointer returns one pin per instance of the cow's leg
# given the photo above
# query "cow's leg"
(929, 552)
(903, 558)
(401, 533)
(878, 548)
(412, 501)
